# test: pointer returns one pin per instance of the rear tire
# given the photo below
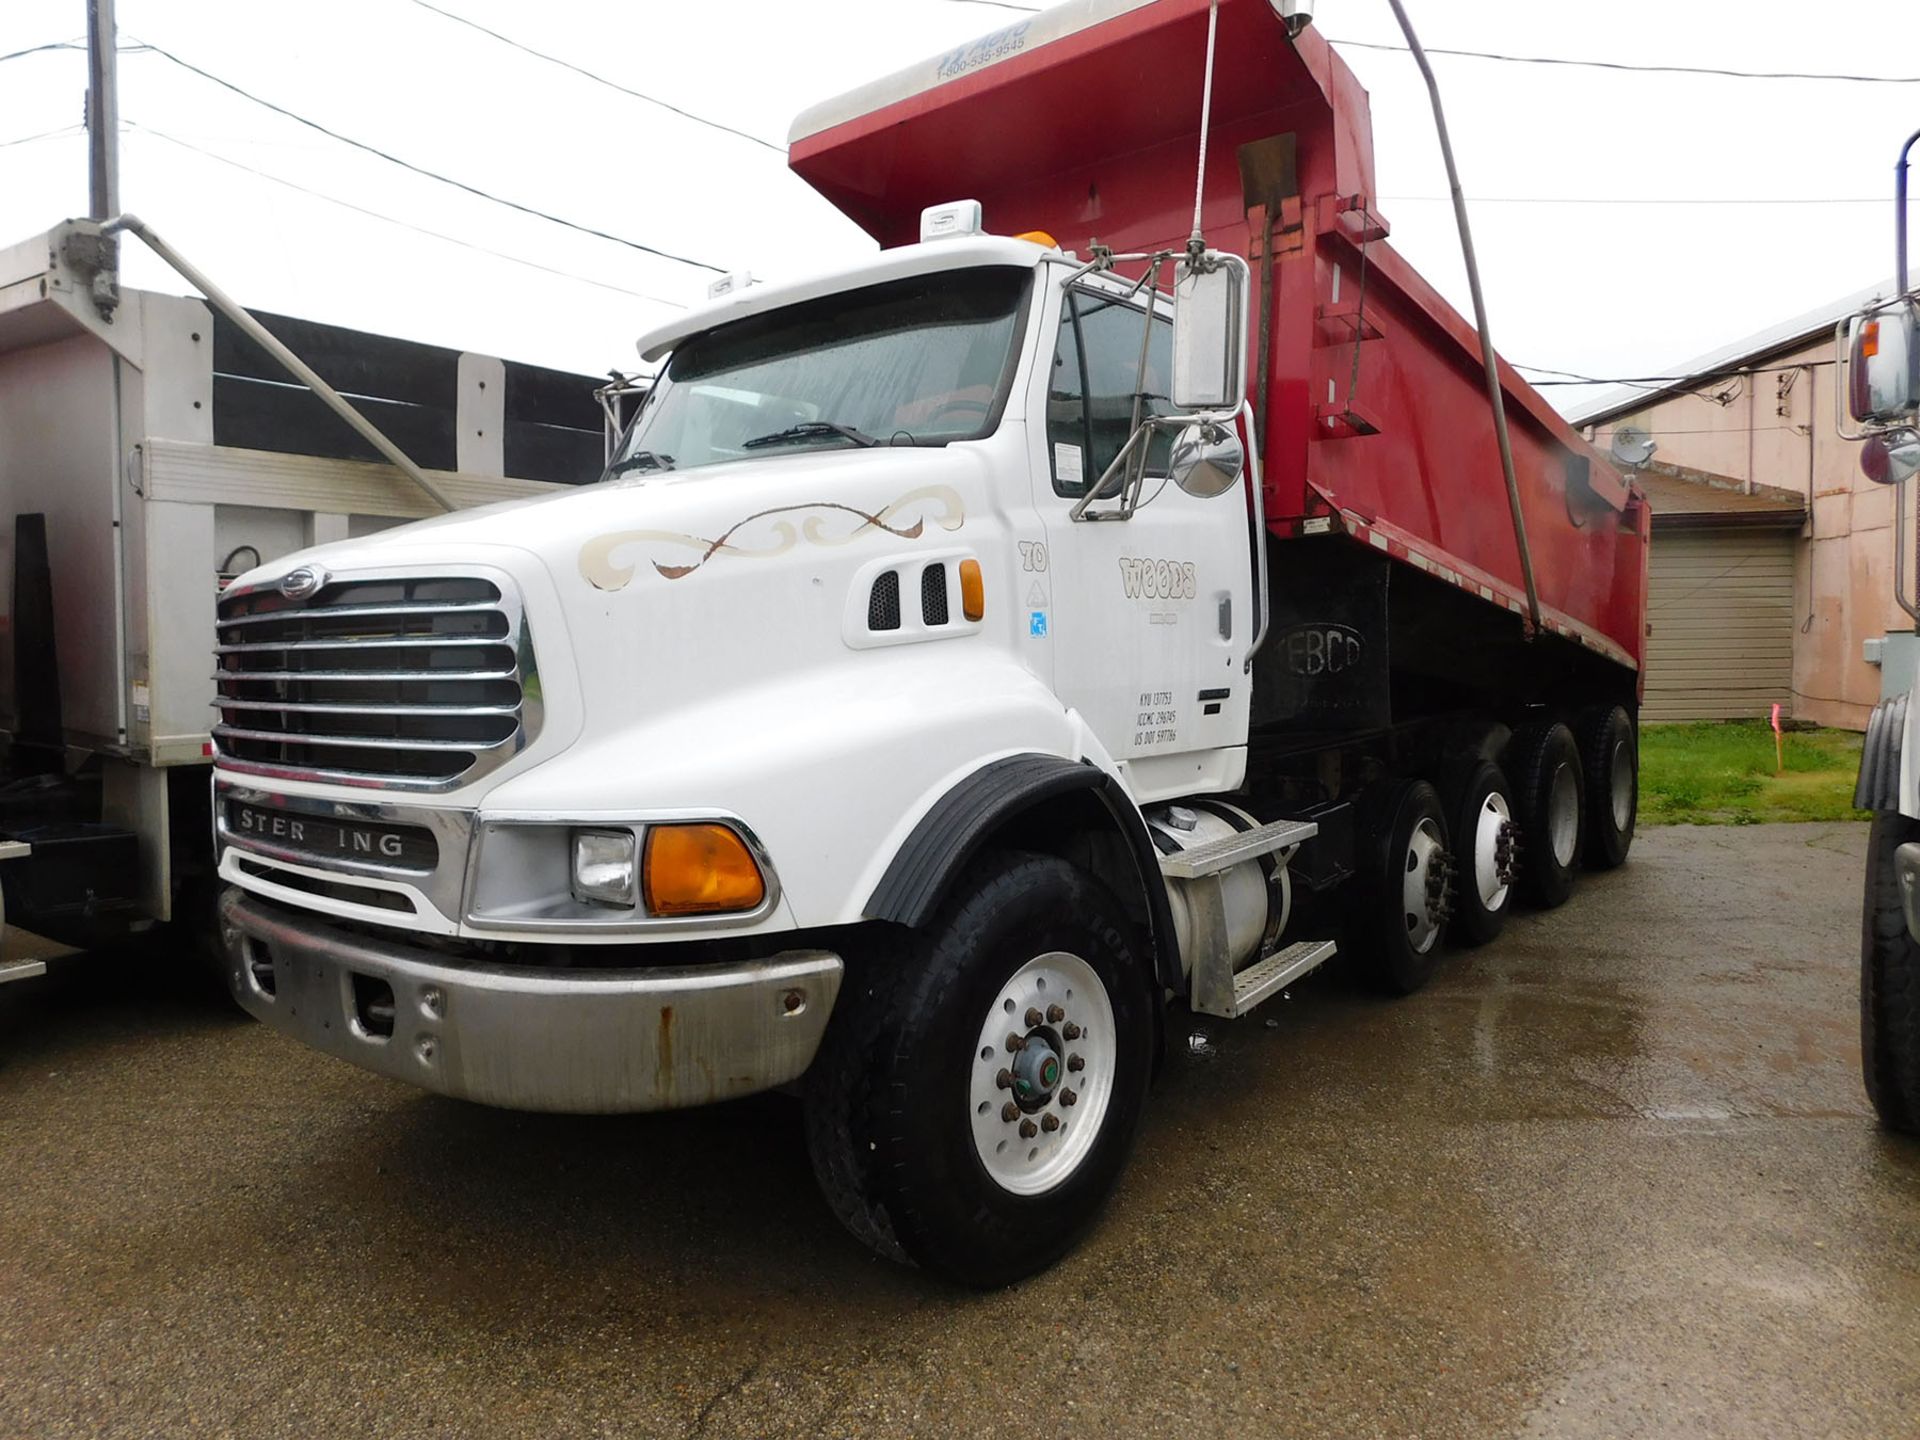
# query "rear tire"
(1485, 847)
(1395, 930)
(1610, 759)
(1545, 765)
(1889, 983)
(905, 1119)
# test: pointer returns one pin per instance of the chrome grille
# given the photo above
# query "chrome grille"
(417, 682)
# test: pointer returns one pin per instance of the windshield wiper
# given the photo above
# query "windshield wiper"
(639, 460)
(810, 430)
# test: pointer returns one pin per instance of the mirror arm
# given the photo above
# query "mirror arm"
(1261, 605)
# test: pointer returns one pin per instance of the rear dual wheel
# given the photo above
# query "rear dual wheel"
(1550, 792)
(1396, 927)
(1486, 846)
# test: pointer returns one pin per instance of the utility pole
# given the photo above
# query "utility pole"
(103, 112)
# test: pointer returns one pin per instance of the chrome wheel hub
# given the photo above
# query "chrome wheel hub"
(1494, 849)
(1622, 789)
(1424, 897)
(1563, 815)
(1042, 1073)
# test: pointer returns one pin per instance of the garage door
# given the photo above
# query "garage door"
(1721, 606)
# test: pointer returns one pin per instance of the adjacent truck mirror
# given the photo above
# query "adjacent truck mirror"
(1207, 459)
(1883, 364)
(1210, 333)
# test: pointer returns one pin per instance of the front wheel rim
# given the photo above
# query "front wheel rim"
(1042, 1073)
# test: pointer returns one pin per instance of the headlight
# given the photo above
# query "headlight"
(616, 875)
(604, 872)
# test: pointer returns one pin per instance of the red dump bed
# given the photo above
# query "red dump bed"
(1084, 122)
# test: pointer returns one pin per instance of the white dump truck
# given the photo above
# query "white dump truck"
(967, 653)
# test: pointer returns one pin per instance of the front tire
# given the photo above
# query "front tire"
(939, 1140)
(1889, 982)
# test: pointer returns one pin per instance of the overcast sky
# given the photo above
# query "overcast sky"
(1635, 276)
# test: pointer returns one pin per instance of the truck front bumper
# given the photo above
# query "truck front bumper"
(570, 1040)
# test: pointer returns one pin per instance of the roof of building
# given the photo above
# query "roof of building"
(1684, 499)
(1787, 335)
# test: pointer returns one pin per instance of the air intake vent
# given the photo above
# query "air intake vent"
(883, 609)
(933, 595)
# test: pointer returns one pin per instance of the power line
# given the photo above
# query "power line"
(1584, 64)
(394, 220)
(780, 150)
(36, 49)
(1642, 69)
(393, 159)
(43, 135)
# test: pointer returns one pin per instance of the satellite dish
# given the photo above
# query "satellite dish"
(1633, 447)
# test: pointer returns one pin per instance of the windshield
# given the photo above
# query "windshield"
(923, 361)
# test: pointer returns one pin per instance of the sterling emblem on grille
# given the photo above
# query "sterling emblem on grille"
(299, 584)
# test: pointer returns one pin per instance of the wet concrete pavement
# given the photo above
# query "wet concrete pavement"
(1612, 1176)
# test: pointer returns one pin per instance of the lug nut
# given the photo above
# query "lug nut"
(1034, 1017)
(1071, 1032)
(1028, 1130)
(1049, 1122)
(1067, 1097)
(1004, 1079)
(1076, 1063)
(1009, 1112)
(1055, 1014)
(1016, 1043)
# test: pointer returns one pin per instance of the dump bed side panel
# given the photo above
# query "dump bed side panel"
(1084, 122)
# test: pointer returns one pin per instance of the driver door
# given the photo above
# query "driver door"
(1151, 617)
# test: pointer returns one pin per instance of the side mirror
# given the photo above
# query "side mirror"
(1207, 459)
(1210, 333)
(1884, 364)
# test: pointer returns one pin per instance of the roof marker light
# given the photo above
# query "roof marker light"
(1039, 237)
(957, 217)
(730, 283)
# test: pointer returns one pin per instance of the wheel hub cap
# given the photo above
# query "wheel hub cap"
(1424, 896)
(1042, 1073)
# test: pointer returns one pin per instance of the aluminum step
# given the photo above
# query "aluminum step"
(21, 970)
(1228, 851)
(1266, 978)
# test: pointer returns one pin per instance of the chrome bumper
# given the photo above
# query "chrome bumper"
(577, 1041)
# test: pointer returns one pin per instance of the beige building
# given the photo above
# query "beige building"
(1757, 419)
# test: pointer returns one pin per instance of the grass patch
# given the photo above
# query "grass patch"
(1723, 774)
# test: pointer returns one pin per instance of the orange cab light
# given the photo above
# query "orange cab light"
(699, 870)
(973, 590)
(1039, 237)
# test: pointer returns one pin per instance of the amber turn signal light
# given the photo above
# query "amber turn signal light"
(699, 870)
(973, 590)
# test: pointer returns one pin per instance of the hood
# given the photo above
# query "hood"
(668, 525)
